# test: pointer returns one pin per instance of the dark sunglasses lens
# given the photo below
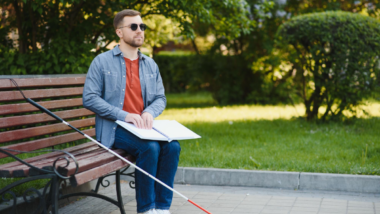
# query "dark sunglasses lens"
(142, 27)
(134, 27)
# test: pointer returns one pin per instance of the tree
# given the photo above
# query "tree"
(161, 31)
(58, 36)
(269, 79)
(337, 56)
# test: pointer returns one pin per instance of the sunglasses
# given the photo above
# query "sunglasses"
(135, 26)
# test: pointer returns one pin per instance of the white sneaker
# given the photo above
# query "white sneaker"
(151, 211)
(163, 212)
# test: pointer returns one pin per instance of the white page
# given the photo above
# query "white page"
(174, 130)
(142, 133)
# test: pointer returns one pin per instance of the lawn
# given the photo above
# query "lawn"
(275, 138)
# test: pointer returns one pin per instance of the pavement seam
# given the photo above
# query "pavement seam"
(320, 205)
(374, 207)
(347, 207)
(265, 205)
(292, 205)
(183, 176)
(298, 182)
(240, 202)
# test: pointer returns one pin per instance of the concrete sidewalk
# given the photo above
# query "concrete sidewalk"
(240, 200)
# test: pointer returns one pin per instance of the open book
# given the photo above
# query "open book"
(163, 130)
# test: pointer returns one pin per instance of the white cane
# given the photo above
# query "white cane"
(104, 147)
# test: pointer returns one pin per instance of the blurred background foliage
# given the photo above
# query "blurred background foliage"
(336, 60)
(228, 47)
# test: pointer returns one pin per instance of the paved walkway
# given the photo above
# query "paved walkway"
(241, 200)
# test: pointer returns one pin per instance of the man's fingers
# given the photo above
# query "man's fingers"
(141, 123)
(134, 122)
(144, 121)
(148, 123)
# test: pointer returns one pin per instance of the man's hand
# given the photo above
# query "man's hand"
(136, 120)
(148, 120)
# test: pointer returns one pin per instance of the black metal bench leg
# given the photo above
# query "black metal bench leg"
(54, 194)
(118, 192)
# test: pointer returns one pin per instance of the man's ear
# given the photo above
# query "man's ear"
(119, 33)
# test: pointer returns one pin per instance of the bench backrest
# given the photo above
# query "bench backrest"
(24, 127)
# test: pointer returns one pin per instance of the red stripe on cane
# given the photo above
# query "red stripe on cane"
(199, 206)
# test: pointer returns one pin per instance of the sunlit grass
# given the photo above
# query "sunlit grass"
(181, 108)
(231, 113)
(276, 138)
(193, 100)
(285, 145)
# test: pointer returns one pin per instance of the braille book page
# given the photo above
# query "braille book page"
(142, 133)
(174, 130)
(163, 130)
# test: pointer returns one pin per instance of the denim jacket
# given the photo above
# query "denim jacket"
(103, 91)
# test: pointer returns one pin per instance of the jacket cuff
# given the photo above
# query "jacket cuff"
(121, 115)
(149, 111)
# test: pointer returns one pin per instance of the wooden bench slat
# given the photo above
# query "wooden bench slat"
(42, 93)
(86, 160)
(47, 142)
(42, 82)
(97, 172)
(27, 107)
(42, 130)
(79, 155)
(77, 150)
(94, 161)
(39, 118)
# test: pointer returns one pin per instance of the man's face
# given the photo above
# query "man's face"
(132, 38)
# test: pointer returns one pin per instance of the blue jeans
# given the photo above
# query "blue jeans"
(158, 158)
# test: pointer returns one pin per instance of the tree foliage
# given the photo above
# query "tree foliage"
(71, 30)
(337, 59)
(271, 82)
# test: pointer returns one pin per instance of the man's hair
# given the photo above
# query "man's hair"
(120, 16)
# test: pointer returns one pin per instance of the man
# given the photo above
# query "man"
(124, 84)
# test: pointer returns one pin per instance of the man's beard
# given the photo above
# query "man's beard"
(133, 43)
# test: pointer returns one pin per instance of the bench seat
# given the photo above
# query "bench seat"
(25, 129)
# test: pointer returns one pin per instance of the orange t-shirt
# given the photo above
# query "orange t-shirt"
(133, 101)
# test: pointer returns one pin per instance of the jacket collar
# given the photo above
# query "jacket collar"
(116, 51)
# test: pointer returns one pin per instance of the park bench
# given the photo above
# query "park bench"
(24, 128)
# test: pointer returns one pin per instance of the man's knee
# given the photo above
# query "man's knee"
(174, 147)
(152, 149)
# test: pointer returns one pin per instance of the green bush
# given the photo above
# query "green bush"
(65, 58)
(337, 56)
(221, 75)
(230, 79)
(176, 71)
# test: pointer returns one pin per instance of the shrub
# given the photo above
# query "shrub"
(228, 78)
(337, 59)
(176, 71)
(64, 58)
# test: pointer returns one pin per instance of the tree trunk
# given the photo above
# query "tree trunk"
(19, 20)
(195, 46)
(33, 21)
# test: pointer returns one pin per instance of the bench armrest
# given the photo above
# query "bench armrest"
(6, 172)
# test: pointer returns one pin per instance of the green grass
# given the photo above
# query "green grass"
(274, 138)
(285, 145)
(189, 100)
